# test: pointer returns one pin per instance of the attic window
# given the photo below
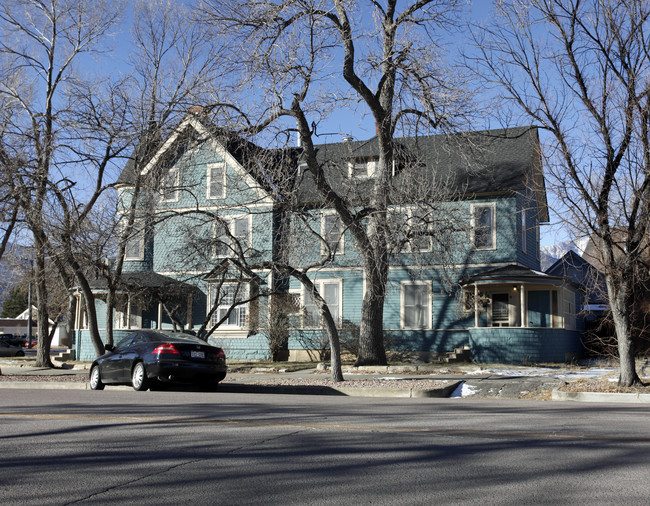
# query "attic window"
(216, 180)
(169, 185)
(362, 168)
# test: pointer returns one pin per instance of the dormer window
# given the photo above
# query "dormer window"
(362, 167)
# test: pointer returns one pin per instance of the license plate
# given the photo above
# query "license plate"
(197, 354)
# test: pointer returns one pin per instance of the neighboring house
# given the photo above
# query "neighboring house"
(465, 216)
(19, 326)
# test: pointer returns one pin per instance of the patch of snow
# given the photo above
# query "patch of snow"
(562, 373)
(463, 390)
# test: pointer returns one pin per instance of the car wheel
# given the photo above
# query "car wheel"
(20, 353)
(139, 378)
(96, 379)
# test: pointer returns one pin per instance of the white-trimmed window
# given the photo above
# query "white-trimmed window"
(82, 313)
(292, 305)
(420, 230)
(332, 233)
(229, 297)
(134, 249)
(415, 305)
(362, 167)
(330, 290)
(483, 230)
(410, 229)
(233, 231)
(216, 178)
(524, 230)
(169, 185)
(128, 313)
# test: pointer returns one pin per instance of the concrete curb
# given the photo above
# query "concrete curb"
(559, 395)
(261, 389)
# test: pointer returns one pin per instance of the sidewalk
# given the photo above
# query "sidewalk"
(390, 381)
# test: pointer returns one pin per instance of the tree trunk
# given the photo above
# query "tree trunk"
(110, 306)
(43, 348)
(89, 300)
(618, 296)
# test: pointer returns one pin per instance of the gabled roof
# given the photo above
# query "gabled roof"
(166, 152)
(579, 271)
(231, 269)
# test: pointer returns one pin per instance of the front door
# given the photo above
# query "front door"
(539, 308)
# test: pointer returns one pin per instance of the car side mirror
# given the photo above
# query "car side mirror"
(109, 347)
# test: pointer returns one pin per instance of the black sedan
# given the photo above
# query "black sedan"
(7, 350)
(148, 357)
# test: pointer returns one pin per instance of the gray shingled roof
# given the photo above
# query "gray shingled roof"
(146, 280)
(472, 163)
(511, 273)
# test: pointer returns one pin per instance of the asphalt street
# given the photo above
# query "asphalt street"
(119, 446)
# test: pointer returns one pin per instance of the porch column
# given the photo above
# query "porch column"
(522, 306)
(128, 312)
(159, 320)
(189, 311)
(475, 305)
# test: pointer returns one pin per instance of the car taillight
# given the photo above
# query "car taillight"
(221, 354)
(167, 348)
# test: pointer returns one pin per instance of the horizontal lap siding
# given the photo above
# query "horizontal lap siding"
(524, 345)
(254, 347)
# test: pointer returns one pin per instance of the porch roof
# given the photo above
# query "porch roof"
(513, 274)
(142, 281)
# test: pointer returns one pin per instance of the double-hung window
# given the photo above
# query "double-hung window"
(134, 249)
(330, 290)
(230, 234)
(229, 297)
(419, 229)
(362, 168)
(169, 185)
(483, 226)
(332, 233)
(416, 305)
(216, 180)
(128, 313)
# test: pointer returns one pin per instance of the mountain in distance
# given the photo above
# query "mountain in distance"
(550, 254)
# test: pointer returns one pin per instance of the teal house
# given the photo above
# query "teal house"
(214, 213)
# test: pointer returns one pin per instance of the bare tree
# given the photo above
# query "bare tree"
(581, 70)
(385, 57)
(173, 66)
(42, 42)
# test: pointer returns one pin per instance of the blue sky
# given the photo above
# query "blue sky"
(342, 122)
